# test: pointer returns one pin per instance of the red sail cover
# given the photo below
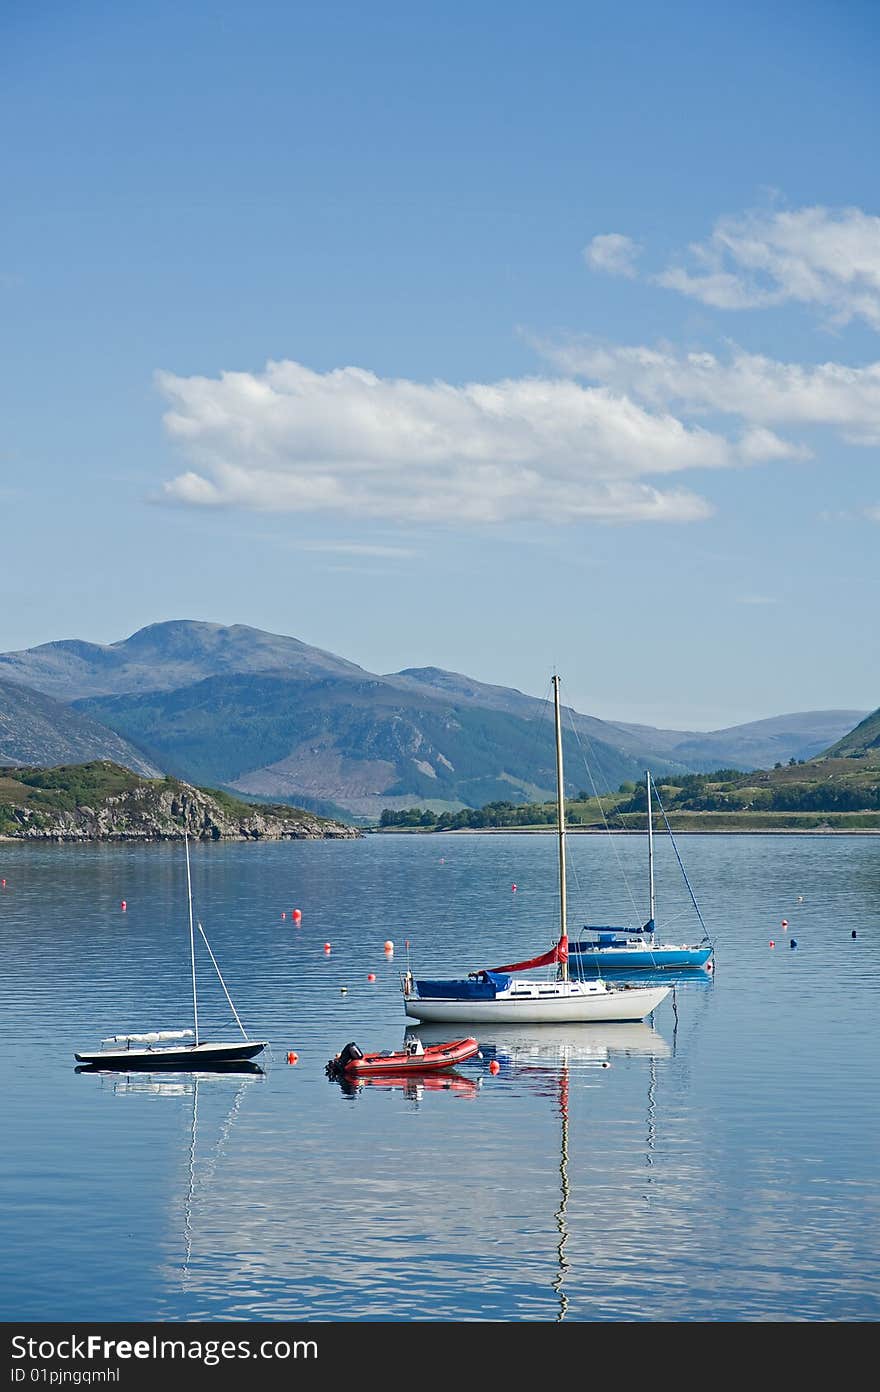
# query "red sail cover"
(558, 953)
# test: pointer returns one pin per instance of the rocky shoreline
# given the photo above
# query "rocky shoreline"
(162, 811)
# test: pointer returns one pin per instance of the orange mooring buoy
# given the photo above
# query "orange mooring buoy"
(292, 1057)
(494, 1066)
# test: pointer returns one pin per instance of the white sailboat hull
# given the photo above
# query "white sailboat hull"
(575, 1005)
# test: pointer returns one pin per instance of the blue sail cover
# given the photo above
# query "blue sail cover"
(480, 986)
(614, 937)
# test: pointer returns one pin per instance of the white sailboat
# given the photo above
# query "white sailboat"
(499, 996)
(163, 1048)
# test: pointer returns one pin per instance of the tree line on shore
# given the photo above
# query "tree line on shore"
(724, 790)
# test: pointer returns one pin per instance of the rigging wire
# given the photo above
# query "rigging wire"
(598, 798)
(706, 935)
(222, 982)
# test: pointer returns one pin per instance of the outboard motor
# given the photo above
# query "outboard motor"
(336, 1066)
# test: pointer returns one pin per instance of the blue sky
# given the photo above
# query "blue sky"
(503, 338)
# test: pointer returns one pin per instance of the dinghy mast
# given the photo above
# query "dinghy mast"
(192, 939)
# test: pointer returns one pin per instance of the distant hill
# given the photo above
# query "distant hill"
(162, 657)
(272, 717)
(836, 791)
(863, 741)
(360, 745)
(34, 729)
(835, 782)
(102, 801)
(762, 743)
(754, 745)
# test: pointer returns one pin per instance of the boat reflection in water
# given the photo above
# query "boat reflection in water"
(546, 1056)
(413, 1086)
(546, 1045)
(164, 1083)
(167, 1083)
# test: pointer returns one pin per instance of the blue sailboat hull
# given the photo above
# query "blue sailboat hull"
(641, 958)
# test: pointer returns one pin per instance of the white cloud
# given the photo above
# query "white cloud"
(613, 253)
(755, 599)
(873, 513)
(761, 390)
(349, 441)
(820, 256)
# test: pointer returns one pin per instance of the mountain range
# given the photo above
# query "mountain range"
(275, 718)
(35, 729)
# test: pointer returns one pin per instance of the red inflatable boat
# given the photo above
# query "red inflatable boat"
(414, 1058)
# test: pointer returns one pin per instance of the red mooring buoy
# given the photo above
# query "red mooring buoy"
(296, 915)
(123, 906)
(292, 1057)
(494, 1066)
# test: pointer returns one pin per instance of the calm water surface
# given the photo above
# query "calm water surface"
(719, 1162)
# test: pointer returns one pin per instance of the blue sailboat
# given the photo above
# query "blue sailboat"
(617, 949)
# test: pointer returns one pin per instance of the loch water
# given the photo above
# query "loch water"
(719, 1162)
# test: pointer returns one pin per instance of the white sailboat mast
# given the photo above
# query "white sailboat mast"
(650, 850)
(560, 816)
(192, 938)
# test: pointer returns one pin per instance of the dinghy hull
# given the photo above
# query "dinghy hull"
(190, 1056)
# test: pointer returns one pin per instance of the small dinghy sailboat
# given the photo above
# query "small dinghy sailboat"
(154, 1048)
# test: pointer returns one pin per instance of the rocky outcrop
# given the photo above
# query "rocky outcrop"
(161, 811)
